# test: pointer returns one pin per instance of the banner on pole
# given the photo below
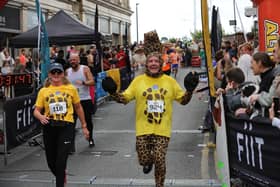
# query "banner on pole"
(207, 46)
(222, 163)
(43, 41)
(20, 122)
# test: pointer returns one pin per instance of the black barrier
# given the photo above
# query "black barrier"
(254, 152)
(19, 120)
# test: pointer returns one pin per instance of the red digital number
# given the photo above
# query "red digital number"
(21, 79)
(1, 81)
(29, 78)
(8, 80)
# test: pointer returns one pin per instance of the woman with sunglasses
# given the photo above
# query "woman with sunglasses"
(54, 108)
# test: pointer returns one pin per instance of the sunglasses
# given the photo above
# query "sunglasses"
(56, 71)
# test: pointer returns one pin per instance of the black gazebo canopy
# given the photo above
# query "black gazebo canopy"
(62, 30)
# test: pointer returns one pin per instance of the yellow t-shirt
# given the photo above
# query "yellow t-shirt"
(154, 98)
(57, 101)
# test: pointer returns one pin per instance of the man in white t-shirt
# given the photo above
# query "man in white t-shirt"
(2, 56)
(81, 77)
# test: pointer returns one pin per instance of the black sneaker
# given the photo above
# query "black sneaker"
(91, 143)
(148, 168)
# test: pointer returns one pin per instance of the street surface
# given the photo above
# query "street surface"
(113, 161)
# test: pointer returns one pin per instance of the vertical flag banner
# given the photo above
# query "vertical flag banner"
(127, 59)
(97, 40)
(207, 46)
(43, 43)
(216, 30)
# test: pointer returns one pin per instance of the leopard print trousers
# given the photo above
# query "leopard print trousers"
(151, 149)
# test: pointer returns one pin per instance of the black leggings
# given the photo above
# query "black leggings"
(58, 141)
(88, 108)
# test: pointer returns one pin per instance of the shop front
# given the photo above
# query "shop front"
(9, 24)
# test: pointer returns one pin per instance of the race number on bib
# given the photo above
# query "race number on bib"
(58, 108)
(155, 106)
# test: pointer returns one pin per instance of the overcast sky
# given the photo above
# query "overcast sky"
(176, 18)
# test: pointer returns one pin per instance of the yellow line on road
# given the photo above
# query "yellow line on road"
(205, 158)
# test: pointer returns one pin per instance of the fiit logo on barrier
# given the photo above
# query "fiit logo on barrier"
(250, 147)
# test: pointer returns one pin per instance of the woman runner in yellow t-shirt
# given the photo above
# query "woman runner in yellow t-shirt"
(54, 108)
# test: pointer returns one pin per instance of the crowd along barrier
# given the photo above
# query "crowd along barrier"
(252, 147)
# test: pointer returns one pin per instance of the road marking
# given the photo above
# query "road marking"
(201, 145)
(98, 118)
(23, 176)
(133, 131)
(120, 181)
(204, 159)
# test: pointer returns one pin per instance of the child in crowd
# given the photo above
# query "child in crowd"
(234, 77)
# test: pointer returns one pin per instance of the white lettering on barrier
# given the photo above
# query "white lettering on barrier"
(239, 146)
(260, 142)
(253, 152)
(249, 143)
(19, 119)
(24, 117)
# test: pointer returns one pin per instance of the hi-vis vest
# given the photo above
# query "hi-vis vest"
(166, 64)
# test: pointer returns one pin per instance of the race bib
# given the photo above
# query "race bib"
(58, 108)
(155, 106)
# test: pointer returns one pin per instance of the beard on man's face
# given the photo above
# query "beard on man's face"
(74, 65)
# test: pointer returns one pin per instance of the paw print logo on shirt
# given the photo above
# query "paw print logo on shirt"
(58, 98)
(155, 105)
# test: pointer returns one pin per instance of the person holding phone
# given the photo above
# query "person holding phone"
(274, 112)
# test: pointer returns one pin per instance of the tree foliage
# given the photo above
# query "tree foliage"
(163, 39)
(172, 40)
(197, 35)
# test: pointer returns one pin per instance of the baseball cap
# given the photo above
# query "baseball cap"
(54, 66)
